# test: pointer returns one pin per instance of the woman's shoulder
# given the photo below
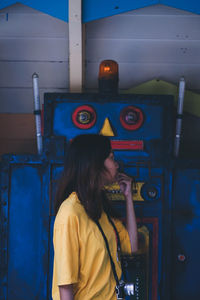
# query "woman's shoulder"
(69, 209)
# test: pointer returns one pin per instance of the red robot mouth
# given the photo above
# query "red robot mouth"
(127, 145)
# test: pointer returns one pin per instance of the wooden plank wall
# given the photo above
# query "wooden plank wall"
(155, 42)
(30, 41)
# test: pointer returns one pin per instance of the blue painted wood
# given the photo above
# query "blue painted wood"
(26, 221)
(97, 9)
(57, 9)
(93, 10)
(188, 5)
(186, 232)
(6, 3)
(156, 110)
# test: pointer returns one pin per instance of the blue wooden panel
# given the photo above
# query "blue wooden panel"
(188, 5)
(155, 131)
(97, 9)
(186, 232)
(58, 9)
(7, 3)
(25, 239)
(93, 10)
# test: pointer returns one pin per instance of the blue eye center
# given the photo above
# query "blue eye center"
(131, 117)
(84, 117)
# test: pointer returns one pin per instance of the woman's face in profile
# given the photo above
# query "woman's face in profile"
(111, 167)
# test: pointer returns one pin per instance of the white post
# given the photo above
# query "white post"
(179, 116)
(76, 45)
(37, 111)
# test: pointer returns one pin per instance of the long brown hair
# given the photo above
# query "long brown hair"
(83, 169)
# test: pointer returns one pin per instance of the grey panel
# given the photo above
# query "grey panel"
(158, 9)
(34, 25)
(19, 100)
(39, 49)
(141, 51)
(133, 74)
(19, 74)
(19, 8)
(146, 27)
(30, 41)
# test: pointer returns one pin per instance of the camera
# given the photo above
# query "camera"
(124, 289)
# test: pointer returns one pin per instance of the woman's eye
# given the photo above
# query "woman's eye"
(84, 117)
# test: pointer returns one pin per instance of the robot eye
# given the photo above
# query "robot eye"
(84, 117)
(131, 118)
(150, 191)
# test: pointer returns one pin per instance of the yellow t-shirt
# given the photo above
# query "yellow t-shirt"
(80, 254)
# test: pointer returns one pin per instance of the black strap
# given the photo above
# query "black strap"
(118, 246)
(111, 260)
(117, 235)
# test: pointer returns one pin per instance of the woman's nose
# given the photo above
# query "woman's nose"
(116, 164)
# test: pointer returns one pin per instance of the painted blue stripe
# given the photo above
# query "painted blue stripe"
(189, 5)
(93, 10)
(96, 9)
(57, 9)
(5, 3)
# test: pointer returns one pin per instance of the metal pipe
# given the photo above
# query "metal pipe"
(37, 112)
(179, 116)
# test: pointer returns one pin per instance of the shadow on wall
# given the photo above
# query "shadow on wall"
(190, 143)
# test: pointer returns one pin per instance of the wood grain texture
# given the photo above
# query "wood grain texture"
(34, 49)
(20, 100)
(19, 74)
(17, 134)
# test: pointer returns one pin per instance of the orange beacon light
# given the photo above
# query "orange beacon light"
(108, 77)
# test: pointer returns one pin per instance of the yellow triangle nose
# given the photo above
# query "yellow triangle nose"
(106, 128)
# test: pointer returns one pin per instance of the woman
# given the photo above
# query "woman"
(82, 267)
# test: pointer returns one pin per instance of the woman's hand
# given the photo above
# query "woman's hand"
(125, 183)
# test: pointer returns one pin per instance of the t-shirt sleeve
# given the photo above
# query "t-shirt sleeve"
(66, 251)
(124, 237)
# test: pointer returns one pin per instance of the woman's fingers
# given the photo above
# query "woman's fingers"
(123, 177)
(125, 183)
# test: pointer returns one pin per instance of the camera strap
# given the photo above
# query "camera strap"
(108, 249)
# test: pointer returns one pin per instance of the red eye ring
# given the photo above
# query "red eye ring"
(136, 115)
(84, 117)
